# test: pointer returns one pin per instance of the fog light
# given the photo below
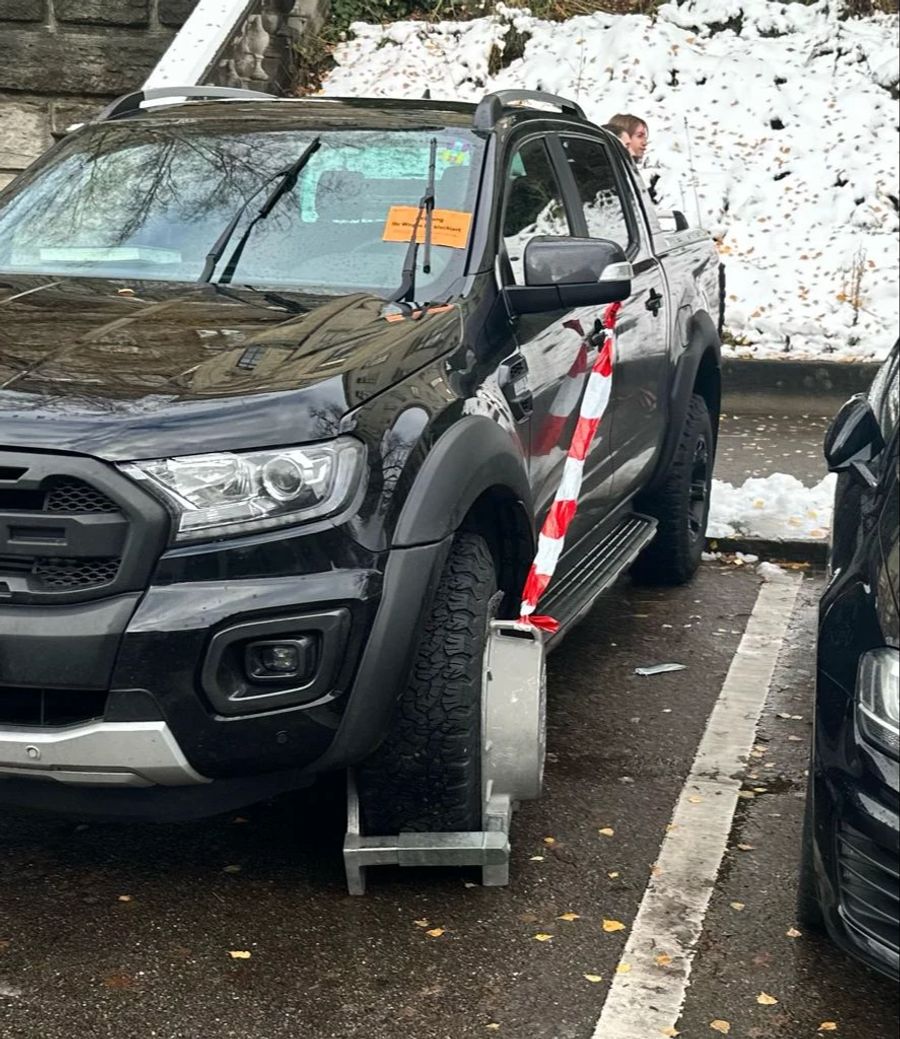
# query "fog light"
(276, 661)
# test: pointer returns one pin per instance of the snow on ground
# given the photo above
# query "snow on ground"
(776, 506)
(781, 138)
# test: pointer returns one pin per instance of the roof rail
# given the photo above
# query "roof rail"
(128, 104)
(490, 108)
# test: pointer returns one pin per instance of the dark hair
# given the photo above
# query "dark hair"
(629, 124)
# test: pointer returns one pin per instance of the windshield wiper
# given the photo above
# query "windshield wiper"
(288, 180)
(407, 290)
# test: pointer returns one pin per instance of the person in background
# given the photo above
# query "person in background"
(633, 133)
(618, 132)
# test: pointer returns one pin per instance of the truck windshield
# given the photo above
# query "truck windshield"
(139, 202)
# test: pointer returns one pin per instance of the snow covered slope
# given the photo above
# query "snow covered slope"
(779, 133)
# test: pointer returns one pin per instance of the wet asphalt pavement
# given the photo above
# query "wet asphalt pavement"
(127, 931)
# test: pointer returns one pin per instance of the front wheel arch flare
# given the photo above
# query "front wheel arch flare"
(474, 455)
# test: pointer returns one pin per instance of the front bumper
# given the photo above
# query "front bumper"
(857, 832)
(157, 747)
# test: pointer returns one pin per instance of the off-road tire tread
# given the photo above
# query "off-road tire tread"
(426, 775)
(671, 558)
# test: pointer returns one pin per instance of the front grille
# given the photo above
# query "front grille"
(75, 573)
(70, 495)
(26, 706)
(30, 540)
(869, 887)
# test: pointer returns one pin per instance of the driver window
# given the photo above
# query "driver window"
(533, 204)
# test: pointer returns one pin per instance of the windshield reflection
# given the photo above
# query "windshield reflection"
(128, 201)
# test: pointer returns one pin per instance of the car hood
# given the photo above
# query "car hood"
(151, 369)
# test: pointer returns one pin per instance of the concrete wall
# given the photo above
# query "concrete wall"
(61, 60)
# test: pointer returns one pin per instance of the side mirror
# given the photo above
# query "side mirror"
(854, 435)
(561, 273)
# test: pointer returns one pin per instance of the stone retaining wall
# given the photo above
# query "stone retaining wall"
(61, 60)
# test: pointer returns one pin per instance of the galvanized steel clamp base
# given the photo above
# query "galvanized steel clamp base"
(512, 769)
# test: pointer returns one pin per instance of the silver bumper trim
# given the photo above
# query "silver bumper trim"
(109, 754)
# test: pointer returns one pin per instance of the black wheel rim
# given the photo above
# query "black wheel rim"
(700, 484)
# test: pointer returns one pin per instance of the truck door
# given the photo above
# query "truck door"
(551, 344)
(638, 405)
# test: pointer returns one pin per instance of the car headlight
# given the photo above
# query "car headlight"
(878, 698)
(218, 495)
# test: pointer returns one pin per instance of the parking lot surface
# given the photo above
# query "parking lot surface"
(111, 930)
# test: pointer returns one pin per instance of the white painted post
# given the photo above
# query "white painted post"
(201, 39)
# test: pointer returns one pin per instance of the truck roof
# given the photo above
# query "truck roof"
(219, 103)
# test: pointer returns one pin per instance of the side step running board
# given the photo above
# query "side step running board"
(574, 593)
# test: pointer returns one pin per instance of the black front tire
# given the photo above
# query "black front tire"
(681, 504)
(426, 775)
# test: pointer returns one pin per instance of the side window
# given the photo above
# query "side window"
(594, 176)
(532, 204)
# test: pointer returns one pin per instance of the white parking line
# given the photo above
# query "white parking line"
(648, 992)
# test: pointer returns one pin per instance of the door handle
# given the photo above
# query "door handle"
(654, 302)
(513, 379)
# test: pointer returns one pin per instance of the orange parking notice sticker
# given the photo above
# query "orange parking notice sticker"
(449, 227)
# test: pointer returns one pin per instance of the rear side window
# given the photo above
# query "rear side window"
(532, 205)
(598, 190)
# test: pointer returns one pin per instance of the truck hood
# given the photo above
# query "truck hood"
(153, 369)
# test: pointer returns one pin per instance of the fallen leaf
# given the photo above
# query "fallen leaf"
(422, 923)
(695, 800)
(614, 875)
(738, 907)
(607, 831)
(594, 979)
(549, 840)
(435, 932)
(239, 954)
(232, 869)
(765, 1000)
(124, 898)
(663, 960)
(493, 1027)
(611, 926)
(792, 932)
(746, 795)
(828, 1026)
(623, 968)
(118, 981)
(721, 1026)
(746, 847)
(569, 917)
(542, 937)
(537, 858)
(670, 1033)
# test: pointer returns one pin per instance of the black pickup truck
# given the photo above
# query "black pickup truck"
(286, 388)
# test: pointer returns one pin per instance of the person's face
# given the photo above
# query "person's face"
(637, 142)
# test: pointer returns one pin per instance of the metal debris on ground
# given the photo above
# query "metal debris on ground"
(659, 669)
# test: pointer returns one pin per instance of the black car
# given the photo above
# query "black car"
(286, 387)
(850, 868)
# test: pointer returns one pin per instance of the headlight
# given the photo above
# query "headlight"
(878, 698)
(225, 494)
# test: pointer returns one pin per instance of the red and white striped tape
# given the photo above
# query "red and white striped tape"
(553, 533)
(548, 434)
